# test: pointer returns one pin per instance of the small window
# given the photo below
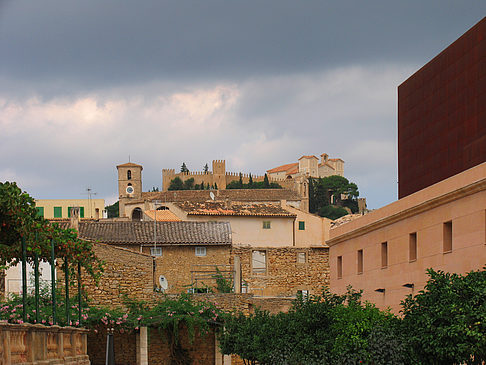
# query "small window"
(384, 255)
(266, 224)
(301, 226)
(129, 175)
(340, 267)
(360, 261)
(200, 251)
(57, 212)
(259, 261)
(412, 247)
(40, 211)
(304, 294)
(81, 212)
(156, 251)
(447, 237)
(301, 257)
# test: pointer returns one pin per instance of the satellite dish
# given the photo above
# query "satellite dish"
(211, 194)
(163, 282)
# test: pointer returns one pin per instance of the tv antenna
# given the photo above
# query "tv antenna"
(90, 193)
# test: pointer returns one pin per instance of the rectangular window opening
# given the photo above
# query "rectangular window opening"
(301, 257)
(447, 236)
(200, 251)
(266, 224)
(301, 226)
(259, 261)
(412, 247)
(384, 254)
(340, 267)
(360, 261)
(156, 251)
(40, 211)
(57, 212)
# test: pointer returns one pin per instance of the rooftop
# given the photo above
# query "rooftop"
(162, 216)
(284, 167)
(223, 209)
(168, 233)
(242, 195)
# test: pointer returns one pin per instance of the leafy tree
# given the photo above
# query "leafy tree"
(446, 322)
(330, 190)
(241, 180)
(113, 210)
(266, 183)
(189, 184)
(184, 167)
(206, 168)
(328, 329)
(332, 212)
(176, 184)
(250, 181)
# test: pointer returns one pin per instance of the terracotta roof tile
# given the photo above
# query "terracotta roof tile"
(293, 170)
(162, 216)
(241, 195)
(129, 164)
(168, 233)
(222, 209)
(284, 168)
(310, 156)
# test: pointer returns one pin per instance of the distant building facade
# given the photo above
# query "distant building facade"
(60, 208)
(308, 166)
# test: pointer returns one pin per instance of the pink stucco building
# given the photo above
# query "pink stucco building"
(386, 253)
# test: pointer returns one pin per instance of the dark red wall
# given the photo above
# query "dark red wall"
(442, 114)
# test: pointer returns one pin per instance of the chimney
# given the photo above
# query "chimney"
(228, 203)
(74, 222)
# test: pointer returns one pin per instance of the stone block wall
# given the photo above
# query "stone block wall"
(178, 264)
(284, 276)
(124, 347)
(126, 272)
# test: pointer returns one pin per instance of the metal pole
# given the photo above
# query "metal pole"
(24, 280)
(36, 274)
(66, 277)
(79, 293)
(110, 348)
(53, 283)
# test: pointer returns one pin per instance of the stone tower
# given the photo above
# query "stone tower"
(129, 184)
(219, 173)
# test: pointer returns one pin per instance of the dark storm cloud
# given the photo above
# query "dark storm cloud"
(103, 43)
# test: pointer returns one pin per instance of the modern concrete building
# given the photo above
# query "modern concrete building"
(439, 221)
(442, 114)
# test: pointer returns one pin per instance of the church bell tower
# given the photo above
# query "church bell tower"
(129, 184)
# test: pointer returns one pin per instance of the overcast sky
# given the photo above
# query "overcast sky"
(86, 84)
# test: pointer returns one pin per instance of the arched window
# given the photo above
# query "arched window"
(137, 214)
(129, 175)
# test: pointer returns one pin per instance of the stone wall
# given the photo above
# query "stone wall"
(284, 276)
(38, 344)
(124, 347)
(180, 266)
(126, 272)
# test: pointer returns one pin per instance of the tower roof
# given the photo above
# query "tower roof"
(130, 164)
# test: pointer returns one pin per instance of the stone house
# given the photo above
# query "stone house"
(192, 254)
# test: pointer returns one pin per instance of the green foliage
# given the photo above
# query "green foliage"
(254, 185)
(19, 219)
(184, 167)
(188, 184)
(206, 168)
(223, 284)
(154, 189)
(332, 212)
(329, 190)
(113, 210)
(266, 183)
(176, 184)
(446, 322)
(328, 329)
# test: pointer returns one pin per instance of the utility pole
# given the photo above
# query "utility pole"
(90, 193)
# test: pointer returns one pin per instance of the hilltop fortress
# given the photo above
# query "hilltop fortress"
(292, 177)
